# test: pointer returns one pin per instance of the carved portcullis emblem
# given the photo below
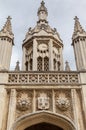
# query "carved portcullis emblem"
(62, 103)
(43, 102)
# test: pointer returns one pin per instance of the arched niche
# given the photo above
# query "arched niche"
(29, 120)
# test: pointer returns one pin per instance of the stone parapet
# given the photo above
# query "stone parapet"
(48, 78)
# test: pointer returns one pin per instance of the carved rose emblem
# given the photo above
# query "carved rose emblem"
(62, 103)
(23, 102)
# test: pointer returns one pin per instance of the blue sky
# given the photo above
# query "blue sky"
(60, 15)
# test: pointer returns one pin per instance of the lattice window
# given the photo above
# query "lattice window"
(46, 64)
(39, 64)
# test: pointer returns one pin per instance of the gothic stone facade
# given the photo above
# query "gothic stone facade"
(42, 92)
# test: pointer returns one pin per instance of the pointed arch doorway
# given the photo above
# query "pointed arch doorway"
(43, 120)
(44, 126)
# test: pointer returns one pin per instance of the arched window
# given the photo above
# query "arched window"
(39, 64)
(31, 63)
(26, 64)
(46, 64)
(58, 66)
(54, 61)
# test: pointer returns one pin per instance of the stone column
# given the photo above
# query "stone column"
(1, 53)
(76, 56)
(23, 59)
(84, 101)
(2, 106)
(83, 81)
(9, 49)
(61, 59)
(78, 118)
(35, 55)
(82, 55)
(53, 100)
(84, 50)
(51, 55)
(12, 109)
(5, 53)
(34, 100)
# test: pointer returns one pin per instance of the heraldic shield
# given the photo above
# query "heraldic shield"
(43, 102)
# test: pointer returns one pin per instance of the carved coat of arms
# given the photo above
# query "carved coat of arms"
(43, 102)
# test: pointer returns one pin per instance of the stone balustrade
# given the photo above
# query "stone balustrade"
(43, 78)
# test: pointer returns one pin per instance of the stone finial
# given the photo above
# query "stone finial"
(42, 9)
(77, 28)
(42, 3)
(67, 67)
(17, 68)
(7, 27)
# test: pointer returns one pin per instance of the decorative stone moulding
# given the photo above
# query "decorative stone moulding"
(43, 102)
(23, 102)
(43, 78)
(62, 103)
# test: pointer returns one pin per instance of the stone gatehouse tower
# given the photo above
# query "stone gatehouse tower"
(42, 96)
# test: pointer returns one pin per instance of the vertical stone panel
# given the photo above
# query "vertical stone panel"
(34, 55)
(61, 59)
(50, 56)
(23, 59)
(34, 100)
(12, 109)
(82, 54)
(84, 101)
(77, 110)
(79, 56)
(2, 106)
(9, 50)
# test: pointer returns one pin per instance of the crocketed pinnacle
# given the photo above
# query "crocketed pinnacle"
(78, 30)
(67, 67)
(17, 68)
(7, 27)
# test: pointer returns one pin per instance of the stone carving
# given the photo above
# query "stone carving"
(23, 102)
(43, 102)
(63, 103)
(33, 78)
(43, 78)
(53, 78)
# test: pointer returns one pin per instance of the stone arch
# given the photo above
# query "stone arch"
(47, 117)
